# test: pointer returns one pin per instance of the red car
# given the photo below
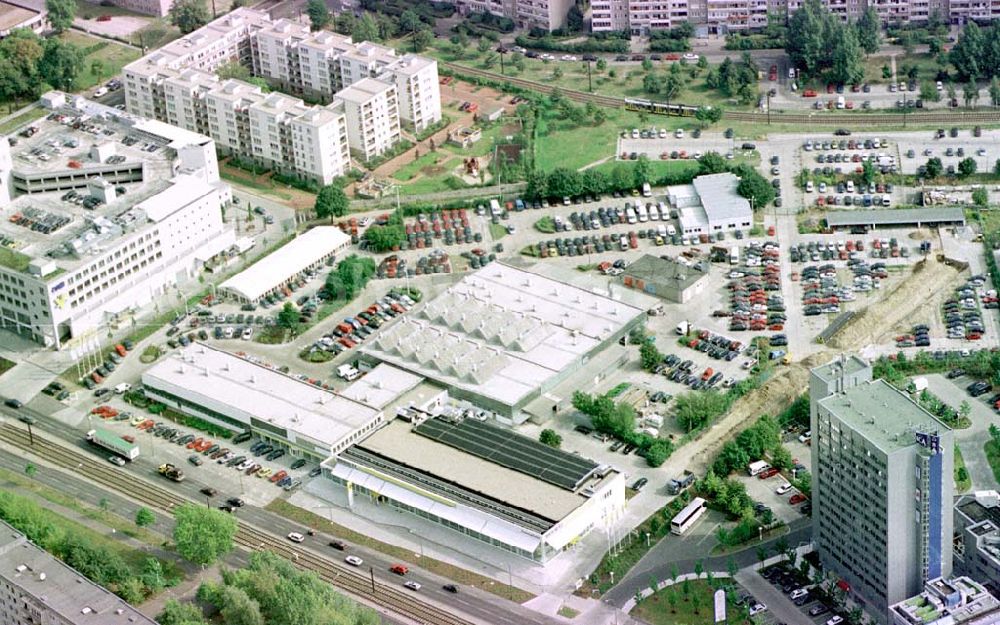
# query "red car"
(796, 499)
(768, 473)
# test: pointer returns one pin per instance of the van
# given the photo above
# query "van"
(758, 467)
(840, 102)
(683, 328)
(495, 207)
(124, 387)
(646, 190)
(664, 212)
(850, 186)
(642, 213)
(809, 186)
(886, 200)
(348, 372)
(734, 255)
(671, 231)
(630, 215)
(654, 213)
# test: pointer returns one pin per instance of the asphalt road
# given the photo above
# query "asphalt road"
(801, 531)
(475, 604)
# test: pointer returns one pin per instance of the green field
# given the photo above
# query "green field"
(17, 121)
(114, 56)
(673, 606)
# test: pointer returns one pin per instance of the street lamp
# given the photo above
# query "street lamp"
(29, 421)
(501, 51)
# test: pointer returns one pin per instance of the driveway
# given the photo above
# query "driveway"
(971, 439)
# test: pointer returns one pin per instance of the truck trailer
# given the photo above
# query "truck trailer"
(113, 443)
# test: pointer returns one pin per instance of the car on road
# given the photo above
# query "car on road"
(639, 483)
(452, 588)
(13, 403)
(338, 545)
(412, 585)
(116, 461)
(295, 537)
(208, 491)
(354, 560)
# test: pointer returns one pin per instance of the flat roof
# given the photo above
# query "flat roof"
(302, 251)
(501, 332)
(895, 216)
(883, 415)
(398, 442)
(510, 449)
(12, 16)
(59, 587)
(719, 197)
(245, 389)
(665, 271)
(848, 365)
(364, 90)
(382, 385)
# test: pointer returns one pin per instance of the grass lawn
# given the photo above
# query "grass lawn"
(961, 485)
(459, 575)
(17, 121)
(992, 450)
(412, 169)
(672, 606)
(497, 231)
(6, 365)
(114, 56)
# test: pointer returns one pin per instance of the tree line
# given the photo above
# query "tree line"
(819, 44)
(976, 54)
(30, 65)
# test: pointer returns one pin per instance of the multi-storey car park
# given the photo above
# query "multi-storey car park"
(104, 214)
(368, 93)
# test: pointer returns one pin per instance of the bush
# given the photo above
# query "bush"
(592, 44)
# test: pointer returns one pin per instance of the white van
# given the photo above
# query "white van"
(642, 213)
(850, 186)
(646, 190)
(630, 215)
(840, 102)
(664, 212)
(654, 213)
(348, 372)
(494, 207)
(661, 230)
(758, 467)
(125, 387)
(671, 231)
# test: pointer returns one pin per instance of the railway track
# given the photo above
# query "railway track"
(349, 580)
(779, 117)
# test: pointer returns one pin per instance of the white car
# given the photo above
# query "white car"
(836, 619)
(412, 585)
(116, 461)
(781, 490)
(663, 133)
(757, 608)
(295, 537)
(690, 56)
(354, 560)
(568, 57)
(101, 92)
(635, 133)
(798, 592)
(247, 334)
(679, 133)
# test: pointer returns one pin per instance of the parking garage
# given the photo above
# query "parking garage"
(898, 218)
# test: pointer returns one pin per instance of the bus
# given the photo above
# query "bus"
(688, 516)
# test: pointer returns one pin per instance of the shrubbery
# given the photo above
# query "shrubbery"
(618, 420)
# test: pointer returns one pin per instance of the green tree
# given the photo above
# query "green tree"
(848, 59)
(905, 41)
(806, 41)
(981, 199)
(672, 599)
(557, 73)
(650, 83)
(643, 171)
(671, 87)
(966, 167)
(712, 163)
(929, 92)
(647, 65)
(331, 201)
(30, 469)
(968, 55)
(995, 91)
(421, 39)
(781, 457)
(144, 517)
(365, 29)
(409, 21)
(288, 317)
(970, 93)
(550, 437)
(869, 29)
(97, 68)
(177, 613)
(61, 13)
(319, 14)
(649, 355)
(708, 115)
(188, 15)
(60, 63)
(203, 535)
(233, 70)
(574, 19)
(934, 167)
(602, 64)
(385, 238)
(754, 187)
(237, 608)
(152, 576)
(20, 53)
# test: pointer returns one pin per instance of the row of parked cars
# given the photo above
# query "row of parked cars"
(114, 358)
(353, 330)
(790, 583)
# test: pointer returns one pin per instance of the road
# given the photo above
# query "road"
(638, 578)
(472, 604)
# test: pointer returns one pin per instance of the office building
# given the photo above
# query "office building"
(710, 204)
(977, 544)
(307, 251)
(673, 279)
(177, 83)
(483, 481)
(882, 486)
(240, 394)
(545, 14)
(502, 336)
(37, 588)
(105, 214)
(955, 601)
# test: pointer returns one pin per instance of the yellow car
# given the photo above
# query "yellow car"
(263, 472)
(134, 421)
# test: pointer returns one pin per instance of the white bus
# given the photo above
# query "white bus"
(688, 516)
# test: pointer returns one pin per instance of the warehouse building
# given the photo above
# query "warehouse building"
(671, 279)
(711, 204)
(36, 587)
(501, 337)
(309, 250)
(482, 481)
(241, 394)
(896, 218)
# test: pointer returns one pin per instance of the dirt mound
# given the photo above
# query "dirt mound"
(909, 302)
(921, 235)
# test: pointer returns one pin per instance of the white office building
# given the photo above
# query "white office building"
(710, 204)
(104, 219)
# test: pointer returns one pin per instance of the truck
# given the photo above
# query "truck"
(683, 328)
(757, 467)
(676, 485)
(171, 472)
(918, 385)
(114, 443)
(348, 372)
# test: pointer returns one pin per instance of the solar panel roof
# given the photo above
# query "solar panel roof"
(511, 450)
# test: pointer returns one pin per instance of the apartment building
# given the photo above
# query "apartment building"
(372, 110)
(547, 14)
(36, 587)
(131, 233)
(177, 82)
(881, 486)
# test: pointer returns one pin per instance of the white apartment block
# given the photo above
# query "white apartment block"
(92, 267)
(372, 112)
(177, 82)
(547, 14)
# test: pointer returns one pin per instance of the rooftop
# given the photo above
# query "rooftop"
(401, 443)
(12, 16)
(42, 225)
(233, 385)
(895, 216)
(848, 365)
(501, 332)
(951, 601)
(886, 417)
(364, 90)
(59, 587)
(382, 386)
(719, 197)
(302, 251)
(665, 271)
